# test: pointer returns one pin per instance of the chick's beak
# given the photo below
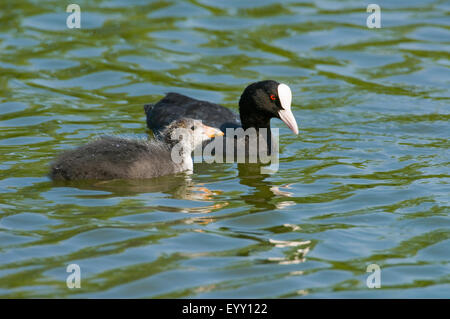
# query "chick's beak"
(211, 131)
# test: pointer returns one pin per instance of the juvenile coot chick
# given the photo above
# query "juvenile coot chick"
(259, 102)
(119, 158)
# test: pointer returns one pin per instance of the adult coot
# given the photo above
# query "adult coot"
(119, 158)
(259, 102)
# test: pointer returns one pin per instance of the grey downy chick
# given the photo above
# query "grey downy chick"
(112, 157)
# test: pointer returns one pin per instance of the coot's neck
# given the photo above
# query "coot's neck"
(259, 121)
(255, 120)
(251, 115)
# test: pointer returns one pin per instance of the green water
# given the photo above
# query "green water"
(366, 180)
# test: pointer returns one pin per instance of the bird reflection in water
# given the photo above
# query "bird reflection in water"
(264, 196)
(180, 186)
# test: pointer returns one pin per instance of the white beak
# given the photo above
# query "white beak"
(285, 95)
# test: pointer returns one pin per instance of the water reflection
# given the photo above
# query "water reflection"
(260, 197)
(179, 186)
(262, 190)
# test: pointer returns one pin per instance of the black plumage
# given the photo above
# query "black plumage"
(258, 104)
(174, 106)
(256, 108)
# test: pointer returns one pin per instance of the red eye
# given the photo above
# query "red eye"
(273, 97)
